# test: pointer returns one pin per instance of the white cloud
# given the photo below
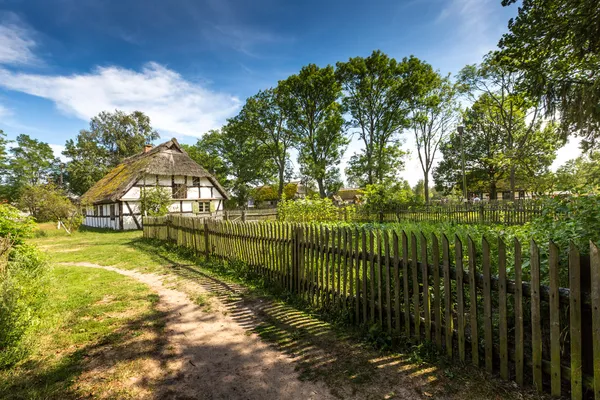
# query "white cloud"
(174, 104)
(16, 42)
(568, 152)
(57, 149)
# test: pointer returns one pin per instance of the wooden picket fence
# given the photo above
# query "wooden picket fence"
(506, 213)
(432, 289)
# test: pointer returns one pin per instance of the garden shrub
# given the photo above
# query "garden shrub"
(22, 284)
(309, 209)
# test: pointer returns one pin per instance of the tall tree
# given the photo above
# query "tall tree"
(315, 118)
(111, 138)
(3, 154)
(31, 163)
(244, 158)
(513, 115)
(433, 116)
(377, 97)
(269, 123)
(556, 44)
(491, 154)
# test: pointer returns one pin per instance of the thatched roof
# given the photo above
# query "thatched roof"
(349, 193)
(165, 159)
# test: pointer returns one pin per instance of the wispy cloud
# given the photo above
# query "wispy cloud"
(5, 112)
(476, 26)
(174, 104)
(16, 41)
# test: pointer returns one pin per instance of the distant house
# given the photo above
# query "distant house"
(114, 201)
(346, 196)
(267, 195)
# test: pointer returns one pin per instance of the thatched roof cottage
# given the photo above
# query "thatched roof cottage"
(114, 201)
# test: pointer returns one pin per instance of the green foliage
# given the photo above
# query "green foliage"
(378, 90)
(389, 196)
(22, 291)
(268, 122)
(310, 209)
(49, 203)
(31, 163)
(556, 45)
(14, 225)
(269, 192)
(504, 136)
(155, 201)
(111, 138)
(310, 99)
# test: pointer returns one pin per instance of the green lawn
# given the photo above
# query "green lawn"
(94, 321)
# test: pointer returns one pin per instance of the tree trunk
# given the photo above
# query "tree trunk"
(321, 185)
(281, 182)
(426, 188)
(493, 192)
(512, 182)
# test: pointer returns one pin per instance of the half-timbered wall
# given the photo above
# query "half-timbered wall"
(200, 197)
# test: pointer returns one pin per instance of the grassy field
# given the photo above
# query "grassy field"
(89, 338)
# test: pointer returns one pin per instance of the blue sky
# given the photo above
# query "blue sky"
(190, 64)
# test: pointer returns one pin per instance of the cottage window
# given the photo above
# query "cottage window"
(196, 181)
(204, 206)
(112, 212)
(101, 210)
(179, 191)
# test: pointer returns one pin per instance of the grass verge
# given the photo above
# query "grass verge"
(96, 330)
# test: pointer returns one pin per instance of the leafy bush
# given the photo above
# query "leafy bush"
(155, 202)
(49, 203)
(22, 290)
(309, 209)
(14, 225)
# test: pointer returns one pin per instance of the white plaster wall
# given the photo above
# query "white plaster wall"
(205, 193)
(193, 193)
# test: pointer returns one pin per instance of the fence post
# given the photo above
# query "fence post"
(294, 271)
(206, 251)
(243, 215)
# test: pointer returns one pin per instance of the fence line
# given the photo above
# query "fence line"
(517, 213)
(411, 284)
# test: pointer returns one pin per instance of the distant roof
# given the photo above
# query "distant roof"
(165, 159)
(349, 193)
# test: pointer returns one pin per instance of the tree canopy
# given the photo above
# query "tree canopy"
(110, 139)
(311, 100)
(376, 97)
(556, 46)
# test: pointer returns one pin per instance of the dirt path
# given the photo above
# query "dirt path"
(211, 356)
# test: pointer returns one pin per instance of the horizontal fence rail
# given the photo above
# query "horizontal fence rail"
(469, 299)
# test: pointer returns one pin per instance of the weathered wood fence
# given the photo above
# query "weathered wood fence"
(438, 289)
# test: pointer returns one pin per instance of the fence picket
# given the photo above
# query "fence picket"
(518, 315)
(425, 279)
(437, 311)
(388, 297)
(396, 280)
(460, 297)
(473, 303)
(415, 281)
(575, 322)
(502, 324)
(447, 294)
(405, 281)
(595, 292)
(487, 307)
(554, 322)
(536, 323)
